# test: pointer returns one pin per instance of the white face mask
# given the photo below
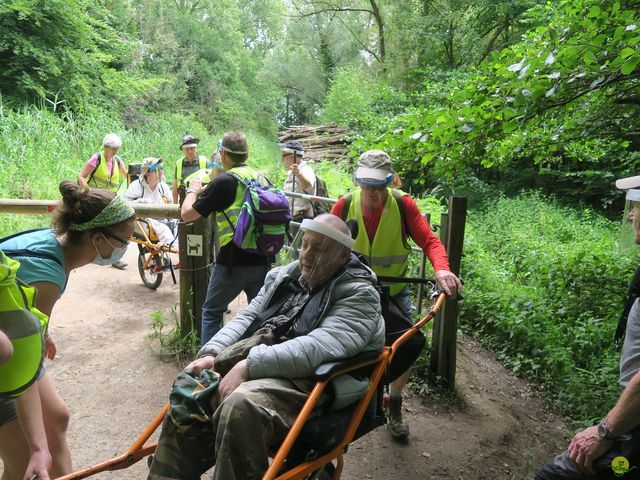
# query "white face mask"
(116, 255)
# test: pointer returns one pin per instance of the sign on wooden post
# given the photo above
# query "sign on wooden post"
(196, 256)
(445, 328)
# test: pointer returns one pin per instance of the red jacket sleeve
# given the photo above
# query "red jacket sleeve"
(421, 233)
(338, 207)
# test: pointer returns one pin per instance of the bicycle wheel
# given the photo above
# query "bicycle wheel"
(150, 278)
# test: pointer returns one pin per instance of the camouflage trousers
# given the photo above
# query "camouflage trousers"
(247, 427)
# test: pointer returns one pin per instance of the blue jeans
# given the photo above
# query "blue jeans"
(403, 300)
(223, 288)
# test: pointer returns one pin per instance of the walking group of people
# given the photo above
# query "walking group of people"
(322, 306)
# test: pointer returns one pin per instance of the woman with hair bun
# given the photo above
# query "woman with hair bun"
(89, 226)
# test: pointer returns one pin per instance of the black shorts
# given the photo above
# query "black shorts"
(395, 325)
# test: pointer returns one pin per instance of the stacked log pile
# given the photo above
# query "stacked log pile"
(321, 142)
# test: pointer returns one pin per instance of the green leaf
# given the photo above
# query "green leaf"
(629, 66)
(589, 57)
(509, 127)
(627, 52)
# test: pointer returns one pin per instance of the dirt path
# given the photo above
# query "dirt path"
(114, 385)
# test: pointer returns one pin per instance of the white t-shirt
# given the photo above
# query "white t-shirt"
(300, 206)
(140, 192)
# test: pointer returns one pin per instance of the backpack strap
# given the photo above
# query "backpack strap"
(246, 184)
(347, 204)
(397, 195)
(20, 252)
(632, 295)
(31, 254)
(4, 239)
(95, 169)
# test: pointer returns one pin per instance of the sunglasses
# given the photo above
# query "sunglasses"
(115, 237)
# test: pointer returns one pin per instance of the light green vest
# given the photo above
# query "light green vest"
(24, 325)
(202, 162)
(388, 252)
(225, 231)
(100, 177)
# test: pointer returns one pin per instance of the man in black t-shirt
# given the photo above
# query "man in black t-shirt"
(235, 269)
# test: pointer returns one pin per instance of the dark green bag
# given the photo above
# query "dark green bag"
(190, 398)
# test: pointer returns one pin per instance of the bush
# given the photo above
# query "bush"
(544, 289)
(357, 100)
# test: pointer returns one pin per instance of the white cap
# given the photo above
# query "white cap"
(633, 195)
(629, 182)
(112, 140)
(327, 231)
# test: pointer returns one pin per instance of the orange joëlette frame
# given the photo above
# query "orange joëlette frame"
(151, 246)
(138, 450)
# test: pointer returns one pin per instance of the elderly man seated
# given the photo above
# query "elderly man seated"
(322, 308)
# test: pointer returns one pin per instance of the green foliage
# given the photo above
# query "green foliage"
(560, 100)
(64, 52)
(169, 341)
(358, 100)
(544, 289)
(38, 149)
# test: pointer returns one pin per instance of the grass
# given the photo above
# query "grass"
(38, 149)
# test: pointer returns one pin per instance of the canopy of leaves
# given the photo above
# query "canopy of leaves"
(65, 53)
(564, 98)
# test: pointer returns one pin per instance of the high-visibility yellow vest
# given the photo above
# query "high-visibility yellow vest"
(387, 252)
(202, 163)
(24, 325)
(225, 231)
(100, 177)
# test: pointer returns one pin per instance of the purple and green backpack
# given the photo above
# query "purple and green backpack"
(264, 218)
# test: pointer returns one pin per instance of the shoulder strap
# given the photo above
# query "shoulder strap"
(633, 294)
(347, 204)
(243, 181)
(397, 195)
(23, 252)
(4, 239)
(95, 169)
(31, 254)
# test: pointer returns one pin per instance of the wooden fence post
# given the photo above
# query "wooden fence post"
(196, 256)
(443, 348)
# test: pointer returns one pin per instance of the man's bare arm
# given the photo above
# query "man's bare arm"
(625, 416)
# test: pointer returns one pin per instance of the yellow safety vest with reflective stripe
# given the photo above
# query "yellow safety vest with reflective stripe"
(100, 177)
(24, 325)
(387, 252)
(225, 231)
(202, 163)
(202, 175)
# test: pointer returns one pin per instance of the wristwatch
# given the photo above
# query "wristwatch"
(603, 431)
(191, 190)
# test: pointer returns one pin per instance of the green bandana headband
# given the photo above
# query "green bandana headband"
(117, 211)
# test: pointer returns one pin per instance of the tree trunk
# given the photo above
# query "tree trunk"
(380, 23)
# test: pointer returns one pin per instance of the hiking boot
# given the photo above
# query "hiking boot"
(120, 265)
(395, 422)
